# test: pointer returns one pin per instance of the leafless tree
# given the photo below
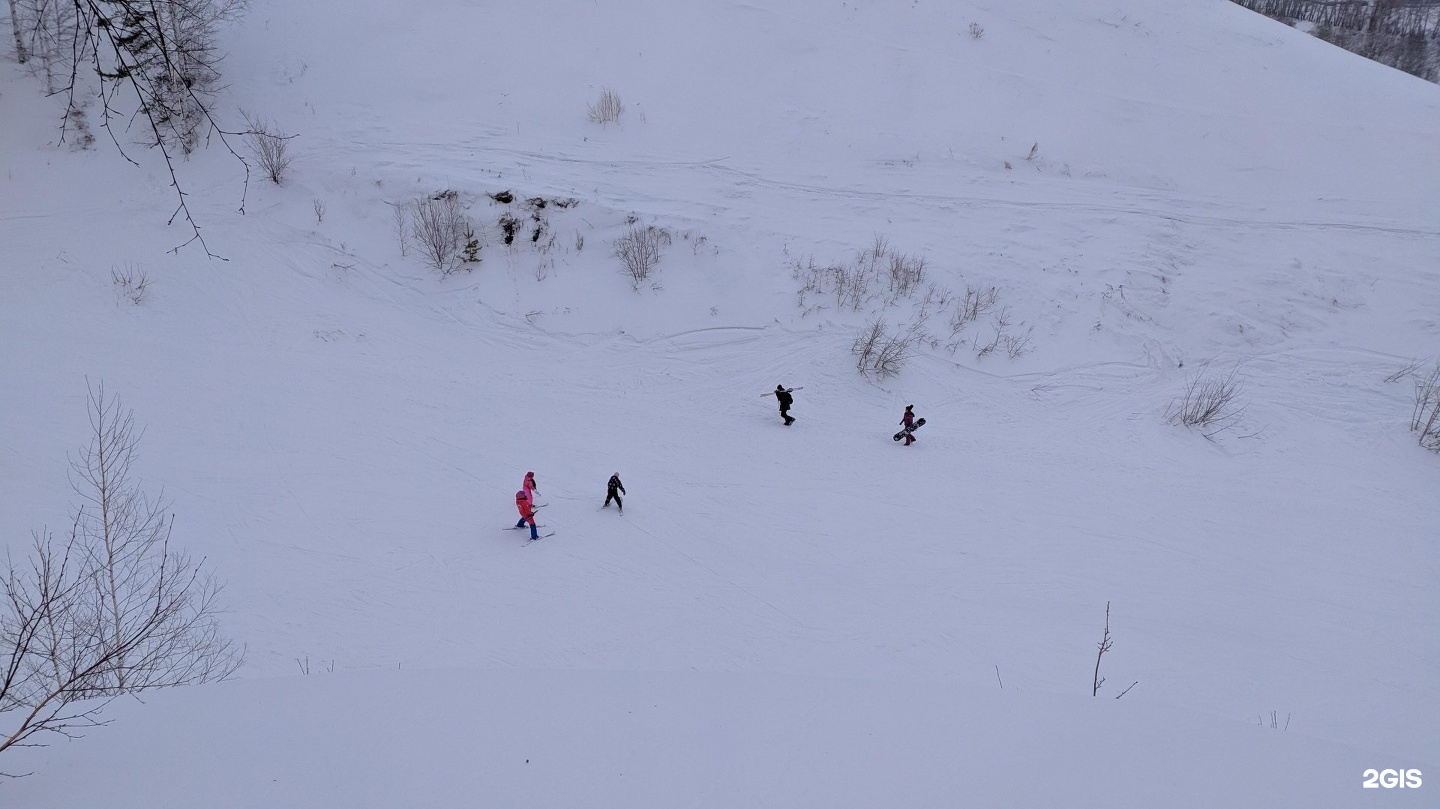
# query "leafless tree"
(112, 610)
(151, 61)
(402, 225)
(1104, 646)
(441, 228)
(21, 55)
(639, 251)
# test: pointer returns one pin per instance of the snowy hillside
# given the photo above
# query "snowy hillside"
(802, 616)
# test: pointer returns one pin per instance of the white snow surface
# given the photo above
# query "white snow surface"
(786, 617)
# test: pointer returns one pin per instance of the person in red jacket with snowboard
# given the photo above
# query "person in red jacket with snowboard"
(908, 420)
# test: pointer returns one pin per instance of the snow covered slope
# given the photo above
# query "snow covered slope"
(810, 615)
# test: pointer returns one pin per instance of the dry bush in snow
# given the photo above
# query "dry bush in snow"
(639, 251)
(270, 148)
(131, 281)
(978, 301)
(439, 227)
(1425, 417)
(879, 354)
(112, 610)
(906, 274)
(401, 223)
(608, 109)
(1210, 404)
(1003, 338)
(879, 279)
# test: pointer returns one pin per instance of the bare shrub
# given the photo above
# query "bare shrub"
(850, 284)
(999, 328)
(1018, 345)
(1034, 151)
(441, 229)
(401, 224)
(976, 31)
(867, 343)
(978, 302)
(112, 610)
(608, 109)
(906, 274)
(1104, 646)
(1407, 370)
(319, 206)
(639, 251)
(1425, 417)
(271, 148)
(1209, 403)
(131, 281)
(879, 354)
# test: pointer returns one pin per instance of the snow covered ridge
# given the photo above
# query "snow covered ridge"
(1403, 35)
(1159, 193)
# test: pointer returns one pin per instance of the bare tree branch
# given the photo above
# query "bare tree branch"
(113, 610)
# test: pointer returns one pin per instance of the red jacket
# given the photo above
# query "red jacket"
(522, 502)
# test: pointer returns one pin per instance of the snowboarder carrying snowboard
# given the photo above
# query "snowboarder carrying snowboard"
(527, 513)
(613, 490)
(783, 394)
(911, 424)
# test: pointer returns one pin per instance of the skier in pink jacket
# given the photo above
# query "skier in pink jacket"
(527, 513)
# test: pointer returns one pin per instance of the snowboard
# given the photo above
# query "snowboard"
(918, 424)
(787, 390)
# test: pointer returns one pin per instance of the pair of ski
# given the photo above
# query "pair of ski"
(537, 507)
(532, 539)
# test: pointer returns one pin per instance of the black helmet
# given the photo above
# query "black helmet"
(779, 387)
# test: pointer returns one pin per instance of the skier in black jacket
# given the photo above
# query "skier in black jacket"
(613, 490)
(785, 401)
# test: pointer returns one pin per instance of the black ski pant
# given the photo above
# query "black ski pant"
(613, 495)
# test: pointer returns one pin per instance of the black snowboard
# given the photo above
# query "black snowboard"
(918, 424)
